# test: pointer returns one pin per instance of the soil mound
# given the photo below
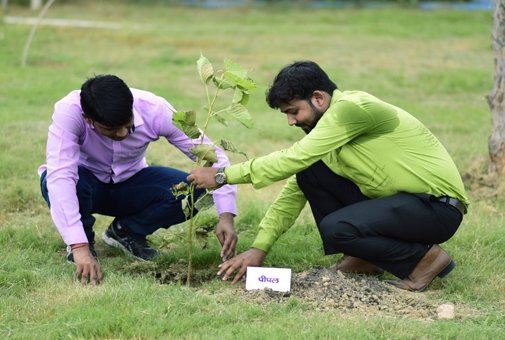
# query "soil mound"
(327, 289)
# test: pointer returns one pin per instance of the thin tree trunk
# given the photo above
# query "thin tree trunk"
(496, 98)
(26, 49)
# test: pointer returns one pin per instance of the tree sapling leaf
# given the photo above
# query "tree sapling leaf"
(205, 69)
(205, 152)
(240, 113)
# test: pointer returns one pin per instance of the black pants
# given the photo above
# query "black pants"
(392, 232)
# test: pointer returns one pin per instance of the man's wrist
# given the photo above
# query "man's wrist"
(258, 253)
(227, 216)
(220, 177)
(78, 245)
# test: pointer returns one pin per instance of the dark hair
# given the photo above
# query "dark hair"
(107, 100)
(298, 80)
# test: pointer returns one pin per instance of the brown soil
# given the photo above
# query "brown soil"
(319, 288)
(481, 184)
(327, 289)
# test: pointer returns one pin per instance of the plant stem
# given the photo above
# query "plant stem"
(190, 234)
(192, 188)
(209, 112)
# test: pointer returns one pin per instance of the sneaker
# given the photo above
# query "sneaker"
(117, 236)
(70, 254)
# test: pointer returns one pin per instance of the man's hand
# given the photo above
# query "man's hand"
(226, 235)
(250, 258)
(88, 269)
(203, 178)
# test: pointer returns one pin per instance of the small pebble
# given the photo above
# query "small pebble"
(445, 311)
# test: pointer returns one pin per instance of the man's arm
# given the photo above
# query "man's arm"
(281, 215)
(226, 235)
(341, 123)
(62, 156)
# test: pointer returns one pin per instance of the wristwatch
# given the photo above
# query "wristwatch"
(220, 177)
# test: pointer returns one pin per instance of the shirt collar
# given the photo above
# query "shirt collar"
(337, 94)
(137, 118)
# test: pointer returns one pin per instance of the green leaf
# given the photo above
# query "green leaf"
(205, 152)
(202, 237)
(179, 116)
(221, 119)
(179, 189)
(185, 121)
(240, 96)
(205, 69)
(230, 65)
(186, 208)
(240, 113)
(203, 202)
(190, 131)
(222, 83)
(228, 146)
(186, 117)
(239, 80)
(237, 75)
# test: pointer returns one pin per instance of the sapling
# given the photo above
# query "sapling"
(232, 79)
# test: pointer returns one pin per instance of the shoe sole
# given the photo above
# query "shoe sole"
(113, 243)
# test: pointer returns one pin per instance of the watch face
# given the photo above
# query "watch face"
(220, 178)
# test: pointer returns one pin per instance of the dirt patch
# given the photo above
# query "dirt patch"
(327, 289)
(174, 273)
(320, 289)
(481, 183)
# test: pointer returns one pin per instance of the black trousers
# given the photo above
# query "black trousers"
(392, 232)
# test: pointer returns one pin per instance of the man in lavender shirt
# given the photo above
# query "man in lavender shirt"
(95, 163)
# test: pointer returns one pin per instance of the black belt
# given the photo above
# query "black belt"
(447, 200)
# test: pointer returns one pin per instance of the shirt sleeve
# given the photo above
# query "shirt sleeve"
(281, 215)
(62, 156)
(342, 122)
(224, 197)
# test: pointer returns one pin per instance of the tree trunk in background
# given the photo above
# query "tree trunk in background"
(496, 98)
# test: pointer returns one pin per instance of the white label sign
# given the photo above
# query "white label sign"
(278, 279)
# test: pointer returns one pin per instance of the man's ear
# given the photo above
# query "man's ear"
(321, 100)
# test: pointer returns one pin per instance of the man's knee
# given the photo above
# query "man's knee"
(337, 231)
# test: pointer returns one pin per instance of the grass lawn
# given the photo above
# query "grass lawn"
(438, 65)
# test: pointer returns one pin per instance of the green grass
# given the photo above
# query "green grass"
(437, 65)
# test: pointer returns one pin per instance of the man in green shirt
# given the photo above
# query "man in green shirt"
(382, 189)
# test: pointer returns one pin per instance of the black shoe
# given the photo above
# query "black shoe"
(70, 254)
(117, 236)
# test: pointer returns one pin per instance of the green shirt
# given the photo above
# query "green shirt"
(381, 148)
